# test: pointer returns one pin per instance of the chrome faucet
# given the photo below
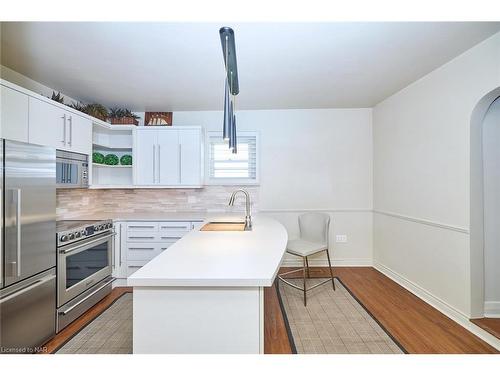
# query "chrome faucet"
(248, 215)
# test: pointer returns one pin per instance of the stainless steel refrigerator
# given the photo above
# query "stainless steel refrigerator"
(28, 246)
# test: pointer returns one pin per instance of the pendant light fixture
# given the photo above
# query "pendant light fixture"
(231, 87)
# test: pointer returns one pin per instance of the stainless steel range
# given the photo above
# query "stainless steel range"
(83, 266)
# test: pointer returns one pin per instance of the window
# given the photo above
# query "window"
(225, 167)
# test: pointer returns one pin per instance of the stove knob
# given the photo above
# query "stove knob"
(71, 236)
(63, 238)
(101, 227)
(96, 227)
(77, 234)
(83, 232)
(109, 226)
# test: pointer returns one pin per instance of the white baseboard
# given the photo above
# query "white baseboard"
(448, 310)
(492, 309)
(347, 262)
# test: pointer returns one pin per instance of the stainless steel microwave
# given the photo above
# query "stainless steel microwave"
(72, 170)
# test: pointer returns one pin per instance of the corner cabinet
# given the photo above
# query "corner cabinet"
(168, 157)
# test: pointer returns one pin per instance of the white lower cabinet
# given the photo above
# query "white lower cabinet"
(137, 242)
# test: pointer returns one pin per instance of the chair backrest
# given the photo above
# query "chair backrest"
(314, 227)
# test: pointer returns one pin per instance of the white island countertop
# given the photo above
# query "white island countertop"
(218, 259)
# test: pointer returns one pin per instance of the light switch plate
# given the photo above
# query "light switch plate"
(341, 238)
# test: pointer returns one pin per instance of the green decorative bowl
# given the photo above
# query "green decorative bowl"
(98, 158)
(111, 159)
(126, 160)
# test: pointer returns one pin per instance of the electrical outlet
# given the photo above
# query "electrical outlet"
(341, 238)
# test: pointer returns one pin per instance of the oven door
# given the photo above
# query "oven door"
(82, 265)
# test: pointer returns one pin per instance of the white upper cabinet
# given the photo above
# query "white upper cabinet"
(168, 157)
(190, 157)
(14, 115)
(80, 134)
(47, 124)
(52, 126)
(144, 159)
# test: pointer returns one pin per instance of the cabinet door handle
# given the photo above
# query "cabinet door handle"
(70, 120)
(120, 244)
(154, 164)
(180, 163)
(64, 130)
(141, 248)
(141, 237)
(159, 164)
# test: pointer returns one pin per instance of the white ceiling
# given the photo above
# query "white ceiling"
(179, 66)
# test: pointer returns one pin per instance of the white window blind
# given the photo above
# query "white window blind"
(224, 166)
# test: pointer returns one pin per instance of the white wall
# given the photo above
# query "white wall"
(312, 159)
(421, 176)
(491, 160)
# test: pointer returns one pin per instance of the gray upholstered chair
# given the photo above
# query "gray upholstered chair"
(314, 228)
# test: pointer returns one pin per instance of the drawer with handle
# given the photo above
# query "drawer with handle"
(142, 236)
(134, 265)
(174, 226)
(143, 251)
(146, 226)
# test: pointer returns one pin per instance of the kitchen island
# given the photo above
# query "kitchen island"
(205, 293)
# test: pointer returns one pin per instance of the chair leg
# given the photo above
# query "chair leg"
(304, 259)
(307, 265)
(330, 267)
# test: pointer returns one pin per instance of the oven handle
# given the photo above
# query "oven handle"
(86, 243)
(67, 311)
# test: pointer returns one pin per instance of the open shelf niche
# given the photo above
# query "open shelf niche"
(112, 139)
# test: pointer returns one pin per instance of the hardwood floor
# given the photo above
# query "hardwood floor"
(417, 326)
(275, 334)
(490, 325)
(82, 321)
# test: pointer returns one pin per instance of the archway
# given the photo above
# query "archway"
(477, 202)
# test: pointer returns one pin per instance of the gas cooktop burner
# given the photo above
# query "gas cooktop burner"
(69, 231)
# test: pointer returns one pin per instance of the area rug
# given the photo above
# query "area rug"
(334, 322)
(109, 333)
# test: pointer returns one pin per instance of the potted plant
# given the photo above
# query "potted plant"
(57, 97)
(122, 116)
(96, 110)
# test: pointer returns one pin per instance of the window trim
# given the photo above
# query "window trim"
(233, 181)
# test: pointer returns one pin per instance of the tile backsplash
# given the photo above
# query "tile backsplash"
(73, 203)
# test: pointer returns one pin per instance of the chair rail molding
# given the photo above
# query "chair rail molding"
(423, 221)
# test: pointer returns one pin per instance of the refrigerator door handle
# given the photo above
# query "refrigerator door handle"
(27, 288)
(18, 228)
